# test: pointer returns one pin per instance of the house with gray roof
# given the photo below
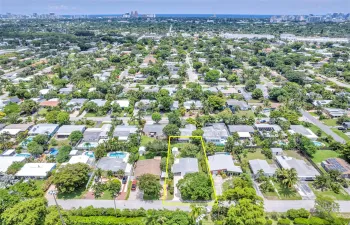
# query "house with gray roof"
(123, 131)
(154, 130)
(114, 164)
(183, 166)
(223, 163)
(44, 129)
(305, 172)
(216, 133)
(258, 164)
(335, 112)
(99, 102)
(187, 131)
(65, 130)
(195, 104)
(66, 91)
(146, 103)
(243, 131)
(76, 103)
(300, 129)
(277, 151)
(234, 104)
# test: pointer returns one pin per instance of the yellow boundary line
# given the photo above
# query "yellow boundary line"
(167, 166)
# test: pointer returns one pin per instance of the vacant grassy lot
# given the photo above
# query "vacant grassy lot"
(256, 155)
(287, 193)
(330, 122)
(247, 113)
(322, 155)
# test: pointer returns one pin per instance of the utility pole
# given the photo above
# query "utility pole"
(53, 193)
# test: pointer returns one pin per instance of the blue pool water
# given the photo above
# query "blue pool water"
(90, 154)
(26, 141)
(318, 144)
(27, 155)
(119, 155)
(53, 151)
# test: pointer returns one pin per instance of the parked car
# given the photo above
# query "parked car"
(125, 179)
(341, 128)
(133, 185)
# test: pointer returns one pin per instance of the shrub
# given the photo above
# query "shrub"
(317, 221)
(301, 221)
(297, 213)
(283, 222)
(269, 222)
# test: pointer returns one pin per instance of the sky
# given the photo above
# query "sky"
(262, 7)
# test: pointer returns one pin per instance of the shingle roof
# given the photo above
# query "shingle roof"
(151, 166)
(223, 162)
(185, 165)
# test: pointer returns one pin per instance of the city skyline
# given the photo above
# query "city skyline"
(243, 7)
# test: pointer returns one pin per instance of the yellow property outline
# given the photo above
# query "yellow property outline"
(167, 166)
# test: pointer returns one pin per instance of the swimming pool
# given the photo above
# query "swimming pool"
(27, 155)
(318, 144)
(119, 155)
(53, 151)
(26, 141)
(90, 154)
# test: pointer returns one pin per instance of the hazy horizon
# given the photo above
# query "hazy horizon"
(239, 7)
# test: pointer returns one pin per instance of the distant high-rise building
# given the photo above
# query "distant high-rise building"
(315, 19)
(136, 14)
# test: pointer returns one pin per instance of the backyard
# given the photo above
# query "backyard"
(256, 155)
(322, 155)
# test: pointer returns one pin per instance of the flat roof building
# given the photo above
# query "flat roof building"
(6, 162)
(114, 164)
(299, 129)
(43, 128)
(337, 164)
(183, 166)
(66, 130)
(15, 129)
(35, 170)
(223, 163)
(148, 166)
(305, 172)
(258, 164)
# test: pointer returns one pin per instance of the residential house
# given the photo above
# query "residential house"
(76, 103)
(114, 165)
(94, 136)
(14, 129)
(44, 129)
(123, 132)
(99, 102)
(50, 103)
(334, 112)
(300, 129)
(148, 166)
(304, 171)
(123, 103)
(243, 131)
(154, 130)
(257, 165)
(35, 170)
(146, 103)
(234, 104)
(192, 104)
(277, 151)
(65, 130)
(187, 131)
(337, 164)
(183, 166)
(66, 90)
(7, 160)
(268, 130)
(222, 163)
(216, 133)
(81, 159)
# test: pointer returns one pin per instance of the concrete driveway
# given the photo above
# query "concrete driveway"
(218, 181)
(177, 194)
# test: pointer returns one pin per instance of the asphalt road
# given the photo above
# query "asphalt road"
(192, 77)
(323, 127)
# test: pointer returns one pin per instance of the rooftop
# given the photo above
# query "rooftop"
(223, 162)
(259, 164)
(35, 169)
(151, 166)
(185, 165)
(303, 169)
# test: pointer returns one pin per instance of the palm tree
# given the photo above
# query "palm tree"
(195, 211)
(98, 173)
(288, 177)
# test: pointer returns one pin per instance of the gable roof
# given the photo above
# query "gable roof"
(185, 165)
(223, 162)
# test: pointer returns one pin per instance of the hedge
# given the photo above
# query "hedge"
(283, 222)
(105, 220)
(301, 221)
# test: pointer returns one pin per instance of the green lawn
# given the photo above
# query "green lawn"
(294, 154)
(341, 134)
(89, 114)
(256, 155)
(341, 196)
(313, 114)
(287, 193)
(330, 122)
(77, 194)
(247, 113)
(42, 112)
(322, 155)
(271, 196)
(145, 140)
(106, 196)
(315, 128)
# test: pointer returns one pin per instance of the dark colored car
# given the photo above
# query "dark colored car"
(124, 180)
(341, 128)
(133, 185)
